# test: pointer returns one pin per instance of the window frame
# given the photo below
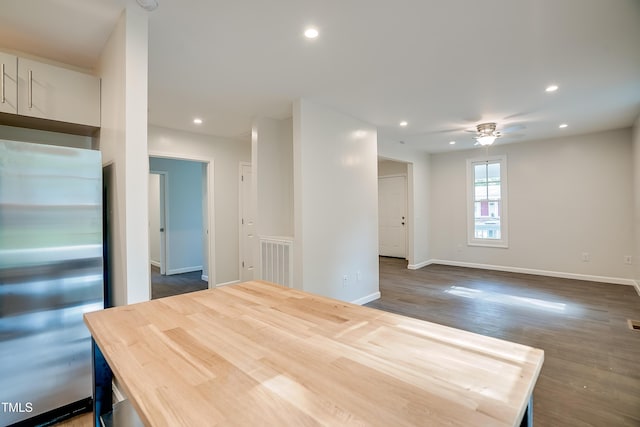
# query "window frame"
(503, 242)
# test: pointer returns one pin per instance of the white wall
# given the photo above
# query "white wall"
(636, 200)
(272, 174)
(566, 196)
(225, 155)
(184, 225)
(335, 203)
(418, 179)
(391, 167)
(123, 143)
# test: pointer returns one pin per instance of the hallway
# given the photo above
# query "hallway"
(166, 286)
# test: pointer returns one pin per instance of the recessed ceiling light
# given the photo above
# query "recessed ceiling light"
(563, 125)
(197, 121)
(311, 33)
(403, 123)
(452, 143)
(551, 88)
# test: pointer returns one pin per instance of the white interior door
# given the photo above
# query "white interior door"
(157, 230)
(247, 225)
(392, 211)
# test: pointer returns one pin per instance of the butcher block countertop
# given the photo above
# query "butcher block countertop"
(258, 354)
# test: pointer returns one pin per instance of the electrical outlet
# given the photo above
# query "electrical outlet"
(345, 279)
(359, 275)
(585, 257)
(627, 259)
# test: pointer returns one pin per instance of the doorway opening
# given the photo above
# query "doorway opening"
(393, 212)
(180, 247)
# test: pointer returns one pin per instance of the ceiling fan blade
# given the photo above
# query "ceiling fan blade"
(514, 135)
(448, 130)
(441, 131)
(513, 128)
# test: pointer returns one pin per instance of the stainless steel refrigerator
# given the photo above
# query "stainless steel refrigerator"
(51, 272)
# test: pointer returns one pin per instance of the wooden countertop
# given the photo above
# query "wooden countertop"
(260, 354)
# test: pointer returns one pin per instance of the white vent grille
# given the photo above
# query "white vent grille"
(276, 264)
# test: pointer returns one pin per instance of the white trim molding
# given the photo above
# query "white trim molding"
(419, 265)
(637, 286)
(560, 274)
(367, 298)
(233, 282)
(184, 270)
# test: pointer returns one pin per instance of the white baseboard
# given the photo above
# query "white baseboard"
(233, 282)
(368, 298)
(155, 263)
(184, 270)
(419, 265)
(637, 286)
(204, 277)
(560, 274)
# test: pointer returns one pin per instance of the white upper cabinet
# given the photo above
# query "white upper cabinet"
(8, 83)
(55, 93)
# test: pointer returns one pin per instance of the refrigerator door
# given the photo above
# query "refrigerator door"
(50, 274)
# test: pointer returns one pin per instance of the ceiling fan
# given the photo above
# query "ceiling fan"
(486, 133)
(148, 5)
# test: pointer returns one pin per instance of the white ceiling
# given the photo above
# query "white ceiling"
(443, 66)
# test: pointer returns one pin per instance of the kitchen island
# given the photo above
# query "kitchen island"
(256, 353)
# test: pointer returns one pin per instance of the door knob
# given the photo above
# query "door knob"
(162, 229)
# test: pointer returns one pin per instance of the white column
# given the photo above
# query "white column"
(123, 142)
(335, 203)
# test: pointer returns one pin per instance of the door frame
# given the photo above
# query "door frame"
(411, 209)
(164, 203)
(406, 207)
(209, 233)
(241, 247)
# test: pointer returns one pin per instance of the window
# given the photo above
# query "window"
(487, 200)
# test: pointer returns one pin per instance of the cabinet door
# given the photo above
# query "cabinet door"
(56, 93)
(8, 83)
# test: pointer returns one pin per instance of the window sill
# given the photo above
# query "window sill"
(499, 244)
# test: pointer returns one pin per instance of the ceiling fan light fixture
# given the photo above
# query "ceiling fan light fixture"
(486, 139)
(486, 133)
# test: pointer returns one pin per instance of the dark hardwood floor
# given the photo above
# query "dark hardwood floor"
(591, 373)
(175, 284)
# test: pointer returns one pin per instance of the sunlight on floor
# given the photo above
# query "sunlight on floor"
(501, 298)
